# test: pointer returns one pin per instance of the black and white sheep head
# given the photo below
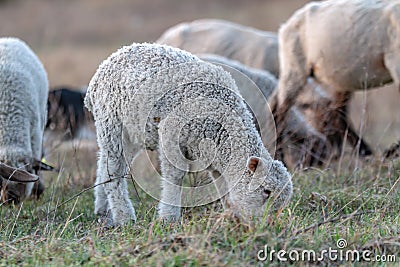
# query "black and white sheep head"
(18, 183)
(267, 186)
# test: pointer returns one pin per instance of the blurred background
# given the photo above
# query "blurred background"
(72, 37)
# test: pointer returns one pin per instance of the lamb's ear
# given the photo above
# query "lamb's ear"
(16, 175)
(252, 163)
(255, 182)
(40, 165)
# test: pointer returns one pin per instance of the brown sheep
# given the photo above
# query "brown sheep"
(348, 45)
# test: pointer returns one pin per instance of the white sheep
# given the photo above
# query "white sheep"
(348, 45)
(250, 46)
(155, 97)
(23, 98)
(260, 49)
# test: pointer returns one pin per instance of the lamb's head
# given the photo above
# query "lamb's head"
(266, 186)
(18, 183)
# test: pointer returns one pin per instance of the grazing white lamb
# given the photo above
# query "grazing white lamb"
(155, 97)
(23, 98)
(349, 45)
(260, 49)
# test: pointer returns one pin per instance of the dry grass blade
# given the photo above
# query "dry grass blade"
(334, 220)
(82, 192)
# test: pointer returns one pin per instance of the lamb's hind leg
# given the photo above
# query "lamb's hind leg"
(169, 208)
(112, 193)
(100, 203)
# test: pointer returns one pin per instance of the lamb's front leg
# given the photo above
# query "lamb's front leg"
(100, 202)
(169, 208)
(111, 172)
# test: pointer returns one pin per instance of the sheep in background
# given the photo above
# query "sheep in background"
(250, 46)
(23, 96)
(263, 79)
(260, 49)
(13, 174)
(334, 42)
(66, 111)
(149, 96)
(300, 135)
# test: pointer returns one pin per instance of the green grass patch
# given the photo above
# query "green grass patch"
(360, 205)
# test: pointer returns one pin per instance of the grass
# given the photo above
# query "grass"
(360, 204)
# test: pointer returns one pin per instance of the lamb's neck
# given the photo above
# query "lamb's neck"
(245, 144)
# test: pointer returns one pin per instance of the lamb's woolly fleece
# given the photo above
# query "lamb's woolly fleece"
(148, 96)
(23, 98)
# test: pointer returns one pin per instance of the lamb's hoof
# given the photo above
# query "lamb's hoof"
(106, 221)
(102, 210)
(124, 220)
(167, 219)
(118, 218)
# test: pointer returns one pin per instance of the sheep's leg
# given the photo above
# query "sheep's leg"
(344, 124)
(36, 135)
(290, 87)
(111, 194)
(100, 203)
(169, 207)
(338, 118)
(286, 97)
(294, 71)
(37, 145)
(392, 63)
(357, 141)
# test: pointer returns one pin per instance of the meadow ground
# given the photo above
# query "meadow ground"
(355, 200)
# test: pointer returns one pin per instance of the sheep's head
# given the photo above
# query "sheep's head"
(314, 102)
(265, 186)
(16, 184)
(299, 142)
